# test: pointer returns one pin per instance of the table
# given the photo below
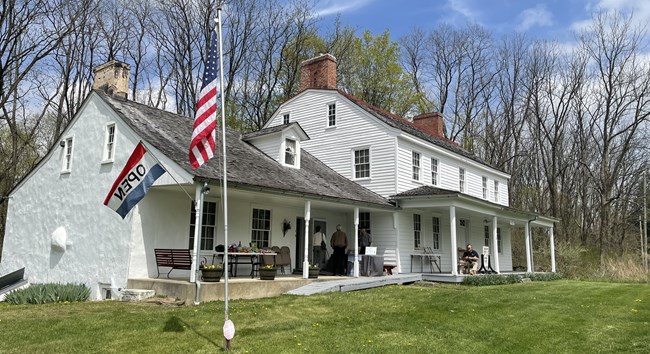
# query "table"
(433, 258)
(233, 260)
(369, 266)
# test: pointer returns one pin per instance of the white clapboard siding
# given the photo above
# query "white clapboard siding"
(335, 146)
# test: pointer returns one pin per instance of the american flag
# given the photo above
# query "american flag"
(205, 121)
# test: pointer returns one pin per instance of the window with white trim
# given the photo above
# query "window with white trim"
(496, 191)
(285, 118)
(261, 227)
(331, 115)
(485, 187)
(436, 232)
(417, 231)
(362, 163)
(364, 221)
(67, 157)
(109, 143)
(461, 179)
(290, 152)
(415, 160)
(208, 226)
(434, 171)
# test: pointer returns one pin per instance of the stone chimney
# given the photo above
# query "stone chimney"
(318, 72)
(431, 123)
(113, 78)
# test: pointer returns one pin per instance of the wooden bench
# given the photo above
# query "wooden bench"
(390, 261)
(173, 258)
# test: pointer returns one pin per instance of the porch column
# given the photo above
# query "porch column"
(396, 227)
(550, 230)
(305, 262)
(454, 246)
(495, 242)
(527, 239)
(356, 242)
(198, 209)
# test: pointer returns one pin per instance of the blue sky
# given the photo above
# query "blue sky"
(550, 19)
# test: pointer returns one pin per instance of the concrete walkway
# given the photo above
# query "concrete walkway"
(351, 284)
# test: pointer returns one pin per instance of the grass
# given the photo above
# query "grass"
(561, 316)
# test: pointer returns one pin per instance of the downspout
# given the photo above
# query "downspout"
(197, 298)
(530, 231)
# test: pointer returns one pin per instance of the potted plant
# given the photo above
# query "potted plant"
(268, 272)
(211, 273)
(286, 226)
(314, 270)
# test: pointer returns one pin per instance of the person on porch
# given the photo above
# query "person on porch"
(471, 257)
(318, 241)
(339, 242)
(365, 240)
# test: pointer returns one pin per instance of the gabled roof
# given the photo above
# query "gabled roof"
(276, 129)
(405, 125)
(247, 166)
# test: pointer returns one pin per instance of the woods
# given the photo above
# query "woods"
(569, 122)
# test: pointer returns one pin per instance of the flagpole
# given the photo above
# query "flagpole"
(227, 322)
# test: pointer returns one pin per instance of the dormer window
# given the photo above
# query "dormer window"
(290, 152)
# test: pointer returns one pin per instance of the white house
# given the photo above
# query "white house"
(325, 158)
(447, 197)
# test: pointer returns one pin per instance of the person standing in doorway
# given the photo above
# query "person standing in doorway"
(339, 242)
(318, 241)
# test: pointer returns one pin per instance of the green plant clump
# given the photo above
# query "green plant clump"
(49, 293)
(494, 279)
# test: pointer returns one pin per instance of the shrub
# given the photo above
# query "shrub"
(494, 279)
(48, 293)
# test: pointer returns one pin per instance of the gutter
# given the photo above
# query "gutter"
(197, 298)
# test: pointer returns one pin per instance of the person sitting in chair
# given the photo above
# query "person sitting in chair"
(471, 257)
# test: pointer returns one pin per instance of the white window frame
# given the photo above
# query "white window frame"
(355, 164)
(486, 235)
(417, 231)
(485, 187)
(331, 118)
(68, 154)
(496, 191)
(286, 118)
(206, 226)
(435, 163)
(416, 165)
(286, 151)
(435, 227)
(461, 180)
(499, 243)
(267, 230)
(109, 145)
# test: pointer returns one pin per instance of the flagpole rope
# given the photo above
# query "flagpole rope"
(161, 164)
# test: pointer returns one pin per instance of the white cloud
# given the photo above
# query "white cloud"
(640, 9)
(462, 8)
(535, 16)
(331, 7)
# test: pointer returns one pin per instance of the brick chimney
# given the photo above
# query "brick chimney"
(431, 123)
(113, 78)
(318, 72)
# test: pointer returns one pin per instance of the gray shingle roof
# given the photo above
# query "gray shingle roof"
(247, 166)
(423, 191)
(272, 130)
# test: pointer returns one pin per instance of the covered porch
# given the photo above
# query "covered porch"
(450, 220)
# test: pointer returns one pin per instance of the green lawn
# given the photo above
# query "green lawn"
(542, 317)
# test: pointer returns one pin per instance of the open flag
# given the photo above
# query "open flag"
(140, 172)
(205, 121)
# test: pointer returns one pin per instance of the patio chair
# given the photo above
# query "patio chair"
(390, 261)
(284, 259)
(463, 266)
